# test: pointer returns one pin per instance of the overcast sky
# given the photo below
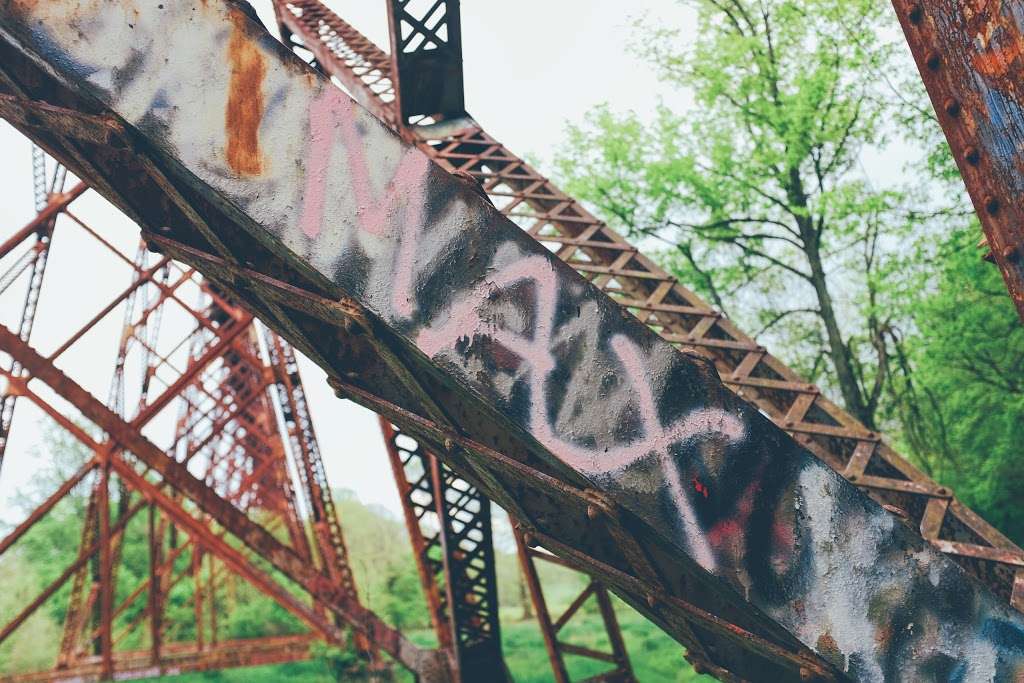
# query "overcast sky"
(530, 67)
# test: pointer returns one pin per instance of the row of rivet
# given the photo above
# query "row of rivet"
(933, 61)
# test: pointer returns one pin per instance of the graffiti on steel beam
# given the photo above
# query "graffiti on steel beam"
(525, 334)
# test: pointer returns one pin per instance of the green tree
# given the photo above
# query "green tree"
(758, 194)
(962, 403)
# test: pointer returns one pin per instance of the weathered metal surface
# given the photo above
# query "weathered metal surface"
(971, 57)
(449, 525)
(450, 300)
(426, 52)
(645, 290)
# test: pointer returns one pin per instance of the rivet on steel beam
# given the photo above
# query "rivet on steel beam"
(933, 61)
(991, 205)
(529, 540)
(449, 445)
(972, 155)
(1011, 253)
(916, 14)
(806, 674)
(651, 600)
(593, 512)
(951, 106)
(853, 477)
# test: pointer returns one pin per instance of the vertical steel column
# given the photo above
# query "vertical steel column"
(449, 523)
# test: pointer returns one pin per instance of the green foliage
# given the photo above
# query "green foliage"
(963, 403)
(758, 197)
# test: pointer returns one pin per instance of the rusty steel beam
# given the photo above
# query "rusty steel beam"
(180, 658)
(971, 58)
(255, 537)
(415, 293)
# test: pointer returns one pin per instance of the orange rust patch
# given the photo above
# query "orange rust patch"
(997, 36)
(245, 101)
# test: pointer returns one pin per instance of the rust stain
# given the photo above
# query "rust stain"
(245, 101)
(996, 35)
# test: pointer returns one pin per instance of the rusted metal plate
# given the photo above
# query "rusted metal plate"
(971, 57)
(463, 318)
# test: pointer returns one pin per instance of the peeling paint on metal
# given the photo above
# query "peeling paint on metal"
(245, 102)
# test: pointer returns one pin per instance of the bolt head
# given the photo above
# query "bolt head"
(952, 107)
(933, 61)
(991, 205)
(916, 14)
(1011, 253)
(972, 155)
(651, 601)
(593, 512)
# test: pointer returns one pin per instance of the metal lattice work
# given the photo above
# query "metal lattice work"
(185, 349)
(432, 347)
(34, 261)
(426, 44)
(970, 62)
(681, 317)
(621, 670)
(323, 36)
(454, 551)
(310, 467)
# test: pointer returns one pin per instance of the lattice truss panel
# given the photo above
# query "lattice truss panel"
(680, 316)
(222, 404)
(449, 523)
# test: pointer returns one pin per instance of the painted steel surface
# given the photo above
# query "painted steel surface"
(971, 57)
(592, 391)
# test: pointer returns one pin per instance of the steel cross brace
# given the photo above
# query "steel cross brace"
(424, 297)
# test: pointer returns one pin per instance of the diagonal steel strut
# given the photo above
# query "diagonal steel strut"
(428, 305)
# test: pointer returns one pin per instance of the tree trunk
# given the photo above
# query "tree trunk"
(838, 351)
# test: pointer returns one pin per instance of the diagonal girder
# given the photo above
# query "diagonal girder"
(971, 58)
(416, 294)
